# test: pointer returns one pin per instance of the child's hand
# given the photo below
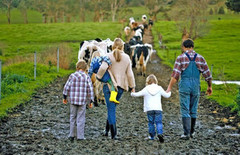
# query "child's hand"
(64, 101)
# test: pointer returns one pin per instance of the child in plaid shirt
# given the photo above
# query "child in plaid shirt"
(80, 91)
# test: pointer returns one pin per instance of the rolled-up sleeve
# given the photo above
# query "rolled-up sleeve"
(205, 70)
(177, 69)
(90, 89)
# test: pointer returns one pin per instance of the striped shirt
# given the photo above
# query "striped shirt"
(79, 88)
(182, 63)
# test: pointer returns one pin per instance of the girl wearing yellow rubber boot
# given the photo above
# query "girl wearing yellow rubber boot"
(102, 74)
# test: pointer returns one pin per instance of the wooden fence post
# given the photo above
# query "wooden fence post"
(58, 60)
(35, 65)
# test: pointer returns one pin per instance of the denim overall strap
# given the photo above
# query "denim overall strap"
(191, 71)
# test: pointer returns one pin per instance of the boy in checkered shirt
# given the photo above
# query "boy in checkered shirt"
(80, 91)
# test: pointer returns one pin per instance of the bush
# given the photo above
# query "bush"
(221, 10)
(14, 78)
(0, 51)
(12, 84)
(211, 11)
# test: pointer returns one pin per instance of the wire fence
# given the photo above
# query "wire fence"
(35, 69)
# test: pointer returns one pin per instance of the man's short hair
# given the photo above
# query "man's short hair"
(188, 43)
(81, 64)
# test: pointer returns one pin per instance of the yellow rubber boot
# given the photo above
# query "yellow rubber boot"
(113, 96)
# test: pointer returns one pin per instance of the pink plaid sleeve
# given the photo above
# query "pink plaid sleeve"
(90, 89)
(66, 88)
(205, 70)
(177, 69)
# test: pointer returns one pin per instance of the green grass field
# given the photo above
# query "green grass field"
(220, 48)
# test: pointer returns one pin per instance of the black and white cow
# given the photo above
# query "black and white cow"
(141, 56)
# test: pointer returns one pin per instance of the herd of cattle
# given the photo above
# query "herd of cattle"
(139, 52)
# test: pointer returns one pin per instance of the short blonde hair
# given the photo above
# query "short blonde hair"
(151, 79)
(81, 64)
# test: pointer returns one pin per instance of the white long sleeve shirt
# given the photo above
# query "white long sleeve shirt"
(152, 97)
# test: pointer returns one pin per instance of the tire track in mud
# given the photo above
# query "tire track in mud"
(42, 125)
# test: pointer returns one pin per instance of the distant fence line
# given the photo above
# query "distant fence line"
(35, 69)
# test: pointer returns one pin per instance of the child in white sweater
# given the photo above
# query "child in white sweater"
(152, 105)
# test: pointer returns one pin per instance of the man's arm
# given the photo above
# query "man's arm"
(171, 83)
(209, 89)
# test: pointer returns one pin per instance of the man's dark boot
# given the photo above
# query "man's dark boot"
(193, 122)
(186, 127)
(113, 130)
(107, 129)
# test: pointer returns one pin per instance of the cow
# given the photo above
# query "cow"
(150, 23)
(131, 22)
(97, 85)
(127, 30)
(87, 48)
(139, 33)
(142, 54)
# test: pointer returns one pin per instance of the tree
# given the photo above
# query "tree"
(221, 10)
(156, 6)
(211, 11)
(191, 17)
(41, 6)
(9, 4)
(23, 7)
(233, 5)
(115, 6)
(100, 8)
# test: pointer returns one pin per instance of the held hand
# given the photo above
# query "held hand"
(133, 90)
(168, 90)
(209, 91)
(64, 101)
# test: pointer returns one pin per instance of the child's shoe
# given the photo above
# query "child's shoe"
(113, 97)
(160, 137)
(150, 138)
(185, 137)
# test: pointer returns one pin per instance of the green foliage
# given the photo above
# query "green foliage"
(18, 83)
(211, 11)
(221, 10)
(233, 5)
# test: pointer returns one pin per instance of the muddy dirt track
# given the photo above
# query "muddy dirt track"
(42, 125)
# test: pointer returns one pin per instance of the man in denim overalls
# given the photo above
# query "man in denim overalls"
(188, 66)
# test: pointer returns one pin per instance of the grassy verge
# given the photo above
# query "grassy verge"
(220, 49)
(18, 83)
